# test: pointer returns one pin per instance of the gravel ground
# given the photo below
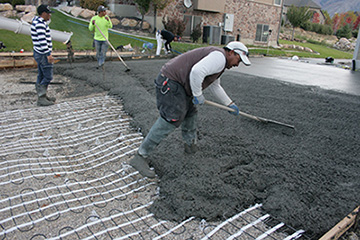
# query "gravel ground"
(64, 172)
(307, 177)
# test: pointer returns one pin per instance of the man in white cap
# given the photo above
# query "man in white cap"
(179, 90)
(104, 23)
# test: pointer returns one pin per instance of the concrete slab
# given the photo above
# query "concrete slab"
(308, 72)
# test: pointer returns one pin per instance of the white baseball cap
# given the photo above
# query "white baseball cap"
(240, 49)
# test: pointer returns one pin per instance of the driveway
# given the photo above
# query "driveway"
(312, 72)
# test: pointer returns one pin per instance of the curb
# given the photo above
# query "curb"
(26, 60)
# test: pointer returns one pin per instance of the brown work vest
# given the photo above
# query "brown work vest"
(179, 68)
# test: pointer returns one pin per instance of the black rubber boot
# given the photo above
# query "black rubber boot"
(160, 130)
(190, 149)
(37, 88)
(51, 99)
(189, 134)
(141, 165)
(42, 100)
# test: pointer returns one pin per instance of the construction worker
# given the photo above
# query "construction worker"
(166, 37)
(41, 38)
(179, 90)
(103, 22)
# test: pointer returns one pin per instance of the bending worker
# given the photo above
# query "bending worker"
(180, 89)
(104, 23)
(166, 37)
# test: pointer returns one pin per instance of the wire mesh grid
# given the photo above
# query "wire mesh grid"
(64, 175)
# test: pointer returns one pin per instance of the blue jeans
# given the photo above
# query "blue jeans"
(101, 48)
(45, 69)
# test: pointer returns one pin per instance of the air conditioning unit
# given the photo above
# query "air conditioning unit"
(211, 34)
(225, 39)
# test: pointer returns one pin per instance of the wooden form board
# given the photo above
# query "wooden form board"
(11, 63)
(60, 54)
(342, 226)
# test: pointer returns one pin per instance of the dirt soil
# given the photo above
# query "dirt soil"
(308, 177)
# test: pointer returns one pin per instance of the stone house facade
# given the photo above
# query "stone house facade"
(255, 22)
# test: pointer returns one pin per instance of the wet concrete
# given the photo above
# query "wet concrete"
(307, 178)
(310, 72)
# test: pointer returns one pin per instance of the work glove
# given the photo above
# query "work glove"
(107, 18)
(233, 106)
(199, 100)
(93, 22)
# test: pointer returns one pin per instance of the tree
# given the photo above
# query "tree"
(143, 6)
(298, 16)
(356, 23)
(159, 4)
(336, 22)
(327, 17)
(316, 17)
(351, 18)
(348, 18)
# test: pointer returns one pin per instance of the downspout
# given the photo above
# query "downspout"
(281, 13)
(22, 27)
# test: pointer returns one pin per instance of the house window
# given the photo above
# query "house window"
(262, 33)
(277, 2)
(191, 23)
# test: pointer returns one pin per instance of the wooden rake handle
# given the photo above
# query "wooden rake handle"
(112, 46)
(259, 119)
(231, 110)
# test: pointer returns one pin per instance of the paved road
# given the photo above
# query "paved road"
(309, 72)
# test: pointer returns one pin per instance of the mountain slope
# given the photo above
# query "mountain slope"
(339, 6)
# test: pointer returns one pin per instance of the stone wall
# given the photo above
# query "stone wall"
(24, 12)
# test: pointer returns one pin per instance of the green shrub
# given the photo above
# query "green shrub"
(17, 2)
(327, 30)
(92, 4)
(355, 33)
(318, 28)
(307, 26)
(174, 25)
(196, 33)
(344, 31)
(13, 2)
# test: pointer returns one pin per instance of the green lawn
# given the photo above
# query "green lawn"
(82, 40)
(15, 42)
(320, 51)
(324, 51)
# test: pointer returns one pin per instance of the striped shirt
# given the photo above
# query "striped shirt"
(40, 35)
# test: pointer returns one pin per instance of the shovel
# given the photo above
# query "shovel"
(127, 68)
(259, 119)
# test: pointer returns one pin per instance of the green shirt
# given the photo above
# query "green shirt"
(103, 24)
